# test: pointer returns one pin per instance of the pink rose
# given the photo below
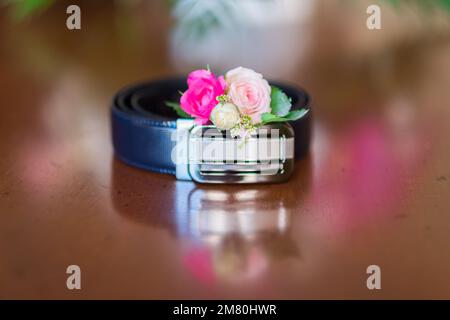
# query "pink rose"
(249, 91)
(200, 97)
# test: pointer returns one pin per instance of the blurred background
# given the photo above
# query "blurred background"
(317, 44)
(374, 189)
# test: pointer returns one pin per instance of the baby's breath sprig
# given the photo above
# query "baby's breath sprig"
(244, 128)
(223, 98)
(247, 122)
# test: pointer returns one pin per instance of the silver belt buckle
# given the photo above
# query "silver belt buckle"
(206, 155)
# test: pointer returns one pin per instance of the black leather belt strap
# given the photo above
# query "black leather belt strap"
(142, 124)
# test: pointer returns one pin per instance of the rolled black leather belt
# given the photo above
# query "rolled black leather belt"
(143, 126)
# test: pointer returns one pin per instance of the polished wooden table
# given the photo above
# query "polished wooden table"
(374, 190)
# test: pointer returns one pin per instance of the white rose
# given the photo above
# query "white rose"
(225, 116)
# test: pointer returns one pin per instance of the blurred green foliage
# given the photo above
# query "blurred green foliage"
(424, 4)
(21, 9)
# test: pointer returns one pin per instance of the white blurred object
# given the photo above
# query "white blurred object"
(266, 35)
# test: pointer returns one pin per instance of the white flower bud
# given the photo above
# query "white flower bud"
(225, 116)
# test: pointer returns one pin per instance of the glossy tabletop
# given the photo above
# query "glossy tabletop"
(374, 189)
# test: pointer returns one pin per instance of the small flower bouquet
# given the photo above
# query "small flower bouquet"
(241, 101)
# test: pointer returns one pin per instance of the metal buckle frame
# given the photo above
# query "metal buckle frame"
(207, 155)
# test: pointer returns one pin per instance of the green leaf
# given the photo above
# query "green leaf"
(280, 103)
(177, 108)
(291, 116)
(268, 117)
(296, 114)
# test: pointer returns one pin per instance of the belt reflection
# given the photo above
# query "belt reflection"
(226, 233)
(216, 212)
(234, 234)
